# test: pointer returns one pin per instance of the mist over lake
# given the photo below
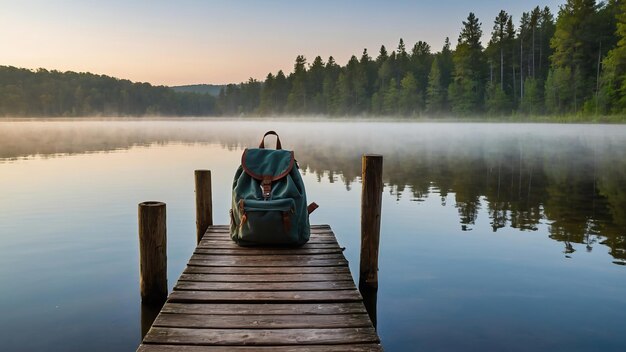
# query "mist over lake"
(494, 236)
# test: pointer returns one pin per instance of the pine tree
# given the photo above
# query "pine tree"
(436, 93)
(613, 92)
(575, 47)
(390, 99)
(497, 98)
(466, 93)
(268, 96)
(297, 98)
(409, 100)
(329, 88)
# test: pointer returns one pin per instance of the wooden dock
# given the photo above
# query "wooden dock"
(231, 298)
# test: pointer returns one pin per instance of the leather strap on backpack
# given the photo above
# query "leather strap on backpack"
(312, 207)
(262, 144)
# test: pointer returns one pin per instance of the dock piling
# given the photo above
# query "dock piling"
(152, 253)
(371, 201)
(204, 202)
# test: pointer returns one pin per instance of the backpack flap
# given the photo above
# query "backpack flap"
(267, 166)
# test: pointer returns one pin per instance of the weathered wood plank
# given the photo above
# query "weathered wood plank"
(274, 252)
(317, 234)
(226, 234)
(220, 241)
(243, 261)
(371, 347)
(233, 245)
(265, 296)
(265, 258)
(260, 336)
(265, 277)
(226, 227)
(262, 321)
(325, 239)
(265, 308)
(265, 286)
(191, 269)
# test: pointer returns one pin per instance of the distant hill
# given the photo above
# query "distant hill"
(212, 89)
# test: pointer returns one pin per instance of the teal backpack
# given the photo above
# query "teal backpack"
(269, 201)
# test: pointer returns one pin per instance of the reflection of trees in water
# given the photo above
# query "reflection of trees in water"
(575, 184)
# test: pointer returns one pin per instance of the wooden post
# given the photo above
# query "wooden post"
(204, 202)
(152, 253)
(371, 201)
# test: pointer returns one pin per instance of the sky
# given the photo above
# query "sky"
(203, 41)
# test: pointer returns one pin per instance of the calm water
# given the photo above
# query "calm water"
(494, 237)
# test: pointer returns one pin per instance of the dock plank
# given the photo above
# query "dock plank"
(308, 309)
(265, 296)
(247, 337)
(308, 348)
(191, 268)
(262, 321)
(299, 277)
(257, 286)
(284, 299)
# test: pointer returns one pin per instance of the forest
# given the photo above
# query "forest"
(574, 64)
(52, 93)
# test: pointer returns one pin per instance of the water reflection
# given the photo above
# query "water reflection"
(149, 313)
(572, 178)
(370, 300)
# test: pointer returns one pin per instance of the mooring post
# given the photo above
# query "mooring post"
(204, 202)
(152, 253)
(371, 201)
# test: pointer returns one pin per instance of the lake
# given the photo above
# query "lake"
(494, 237)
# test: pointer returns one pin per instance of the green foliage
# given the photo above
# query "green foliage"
(212, 89)
(467, 90)
(532, 101)
(390, 99)
(436, 94)
(52, 93)
(612, 93)
(573, 66)
(559, 90)
(410, 100)
(497, 102)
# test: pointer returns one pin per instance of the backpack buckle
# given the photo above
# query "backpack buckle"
(266, 187)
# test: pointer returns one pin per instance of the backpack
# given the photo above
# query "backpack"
(269, 200)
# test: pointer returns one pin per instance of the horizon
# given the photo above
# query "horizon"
(187, 44)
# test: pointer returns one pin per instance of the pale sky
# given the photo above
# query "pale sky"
(195, 41)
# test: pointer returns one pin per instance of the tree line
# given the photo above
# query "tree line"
(573, 64)
(25, 92)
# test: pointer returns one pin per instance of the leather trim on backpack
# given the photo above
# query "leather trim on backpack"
(261, 177)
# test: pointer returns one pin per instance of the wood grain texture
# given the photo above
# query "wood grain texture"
(191, 269)
(267, 286)
(263, 251)
(205, 244)
(265, 308)
(152, 252)
(204, 202)
(265, 296)
(371, 347)
(371, 202)
(234, 261)
(262, 321)
(249, 337)
(299, 277)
